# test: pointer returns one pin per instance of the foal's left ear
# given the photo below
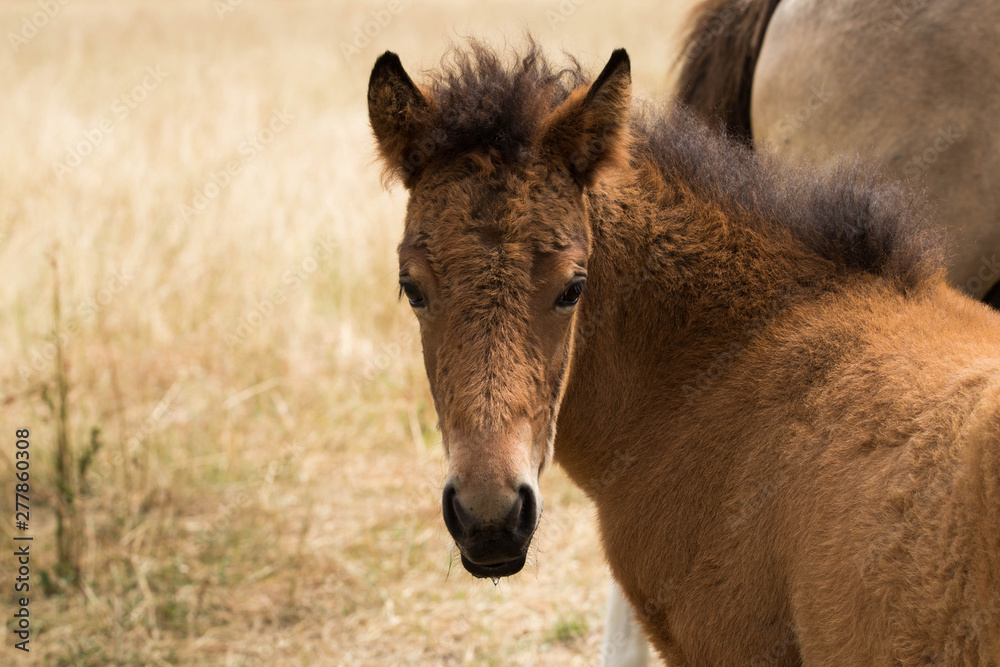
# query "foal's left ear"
(396, 109)
(589, 130)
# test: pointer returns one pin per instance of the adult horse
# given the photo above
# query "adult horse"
(907, 85)
(786, 418)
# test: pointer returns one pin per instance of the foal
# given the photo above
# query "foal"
(785, 417)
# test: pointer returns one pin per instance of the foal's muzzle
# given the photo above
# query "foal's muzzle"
(492, 532)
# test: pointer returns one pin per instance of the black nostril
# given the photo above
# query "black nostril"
(528, 516)
(452, 511)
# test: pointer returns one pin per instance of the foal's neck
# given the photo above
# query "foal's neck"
(676, 286)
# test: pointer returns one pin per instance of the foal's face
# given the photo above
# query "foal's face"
(494, 270)
(494, 264)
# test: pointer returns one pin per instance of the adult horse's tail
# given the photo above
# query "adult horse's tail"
(720, 53)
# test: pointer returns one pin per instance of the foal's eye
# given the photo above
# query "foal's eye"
(412, 292)
(572, 294)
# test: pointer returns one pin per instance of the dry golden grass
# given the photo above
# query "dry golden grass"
(266, 488)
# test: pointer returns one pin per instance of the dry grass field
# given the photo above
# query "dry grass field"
(253, 475)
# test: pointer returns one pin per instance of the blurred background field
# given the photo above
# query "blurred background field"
(254, 472)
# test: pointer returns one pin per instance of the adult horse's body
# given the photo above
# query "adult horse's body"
(786, 418)
(909, 85)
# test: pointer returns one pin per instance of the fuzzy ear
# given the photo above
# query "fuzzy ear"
(396, 108)
(589, 130)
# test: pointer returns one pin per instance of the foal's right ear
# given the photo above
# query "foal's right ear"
(396, 108)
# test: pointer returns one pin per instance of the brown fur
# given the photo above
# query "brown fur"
(787, 420)
(720, 53)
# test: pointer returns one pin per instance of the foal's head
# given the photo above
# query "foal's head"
(494, 264)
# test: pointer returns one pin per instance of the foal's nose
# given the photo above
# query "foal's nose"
(516, 516)
(491, 528)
